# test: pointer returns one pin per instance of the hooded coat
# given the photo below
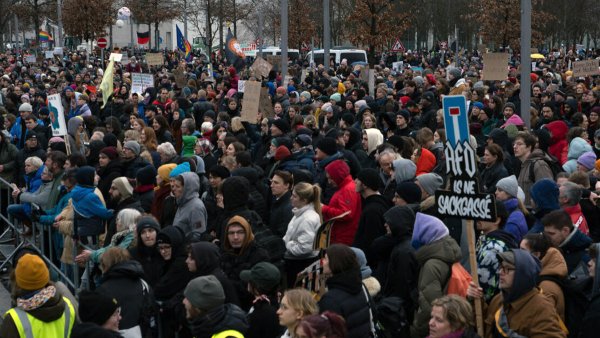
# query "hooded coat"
(558, 143)
(577, 147)
(544, 194)
(554, 264)
(436, 252)
(149, 257)
(541, 170)
(207, 258)
(344, 199)
(591, 321)
(191, 213)
(401, 271)
(516, 224)
(175, 274)
(123, 282)
(529, 313)
(371, 225)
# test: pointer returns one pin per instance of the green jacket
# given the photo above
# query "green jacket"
(434, 261)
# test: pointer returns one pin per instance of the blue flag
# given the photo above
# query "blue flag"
(180, 40)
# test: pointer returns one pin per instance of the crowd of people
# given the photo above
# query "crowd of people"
(198, 223)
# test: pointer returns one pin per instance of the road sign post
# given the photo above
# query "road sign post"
(463, 200)
(102, 43)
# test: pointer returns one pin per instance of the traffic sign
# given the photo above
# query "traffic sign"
(102, 43)
(456, 120)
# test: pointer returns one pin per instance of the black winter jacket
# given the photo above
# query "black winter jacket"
(371, 225)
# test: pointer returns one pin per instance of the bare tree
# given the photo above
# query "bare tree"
(87, 20)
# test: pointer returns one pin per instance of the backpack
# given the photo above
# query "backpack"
(576, 302)
(459, 280)
(388, 316)
(552, 163)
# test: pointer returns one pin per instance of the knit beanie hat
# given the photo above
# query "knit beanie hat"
(405, 113)
(85, 176)
(110, 140)
(110, 152)
(25, 107)
(327, 107)
(336, 97)
(31, 273)
(303, 140)
(146, 222)
(281, 153)
(587, 160)
(370, 178)
(133, 146)
(123, 186)
(510, 105)
(365, 270)
(205, 293)
(305, 95)
(282, 125)
(509, 185)
(146, 175)
(454, 72)
(219, 171)
(409, 192)
(165, 170)
(478, 104)
(327, 145)
(430, 182)
(348, 118)
(95, 307)
(180, 169)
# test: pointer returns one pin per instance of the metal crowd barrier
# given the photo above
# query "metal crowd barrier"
(39, 232)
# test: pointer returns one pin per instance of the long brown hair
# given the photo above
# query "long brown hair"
(151, 142)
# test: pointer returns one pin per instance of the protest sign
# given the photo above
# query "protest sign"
(154, 59)
(274, 61)
(398, 65)
(139, 82)
(261, 67)
(49, 54)
(57, 115)
(286, 81)
(115, 56)
(266, 107)
(251, 101)
(495, 66)
(585, 68)
(180, 77)
(58, 51)
(30, 58)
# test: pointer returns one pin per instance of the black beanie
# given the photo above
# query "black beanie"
(409, 192)
(327, 145)
(282, 125)
(146, 222)
(95, 307)
(370, 178)
(110, 140)
(236, 191)
(219, 171)
(348, 118)
(146, 175)
(85, 176)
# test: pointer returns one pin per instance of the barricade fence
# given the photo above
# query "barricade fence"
(42, 240)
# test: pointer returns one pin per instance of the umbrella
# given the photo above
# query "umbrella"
(537, 56)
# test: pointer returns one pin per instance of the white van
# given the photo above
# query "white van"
(352, 55)
(293, 54)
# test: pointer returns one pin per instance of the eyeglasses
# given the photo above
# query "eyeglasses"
(505, 270)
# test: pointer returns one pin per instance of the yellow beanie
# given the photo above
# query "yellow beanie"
(31, 273)
(164, 171)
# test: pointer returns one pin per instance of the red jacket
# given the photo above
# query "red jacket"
(344, 199)
(558, 142)
(577, 218)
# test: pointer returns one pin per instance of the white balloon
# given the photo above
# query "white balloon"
(120, 23)
(124, 13)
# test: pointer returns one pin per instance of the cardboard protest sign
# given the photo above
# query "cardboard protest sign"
(139, 82)
(495, 66)
(49, 54)
(286, 80)
(586, 68)
(58, 51)
(180, 77)
(261, 67)
(398, 65)
(115, 56)
(251, 102)
(241, 86)
(57, 115)
(30, 58)
(154, 59)
(266, 107)
(274, 61)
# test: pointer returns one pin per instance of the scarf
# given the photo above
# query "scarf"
(38, 299)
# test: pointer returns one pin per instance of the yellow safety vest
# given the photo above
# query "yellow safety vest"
(228, 333)
(31, 327)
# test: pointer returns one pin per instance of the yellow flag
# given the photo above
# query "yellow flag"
(107, 82)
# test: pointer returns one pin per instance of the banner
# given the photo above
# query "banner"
(140, 81)
(107, 82)
(495, 66)
(251, 101)
(57, 115)
(154, 59)
(233, 51)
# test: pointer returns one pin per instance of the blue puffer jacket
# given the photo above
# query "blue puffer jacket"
(516, 224)
(33, 182)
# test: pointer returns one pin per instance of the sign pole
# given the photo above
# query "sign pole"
(474, 275)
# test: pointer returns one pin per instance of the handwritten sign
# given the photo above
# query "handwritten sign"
(139, 82)
(586, 68)
(495, 66)
(251, 101)
(57, 115)
(261, 67)
(154, 59)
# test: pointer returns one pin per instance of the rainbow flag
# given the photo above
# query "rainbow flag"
(45, 36)
(183, 44)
